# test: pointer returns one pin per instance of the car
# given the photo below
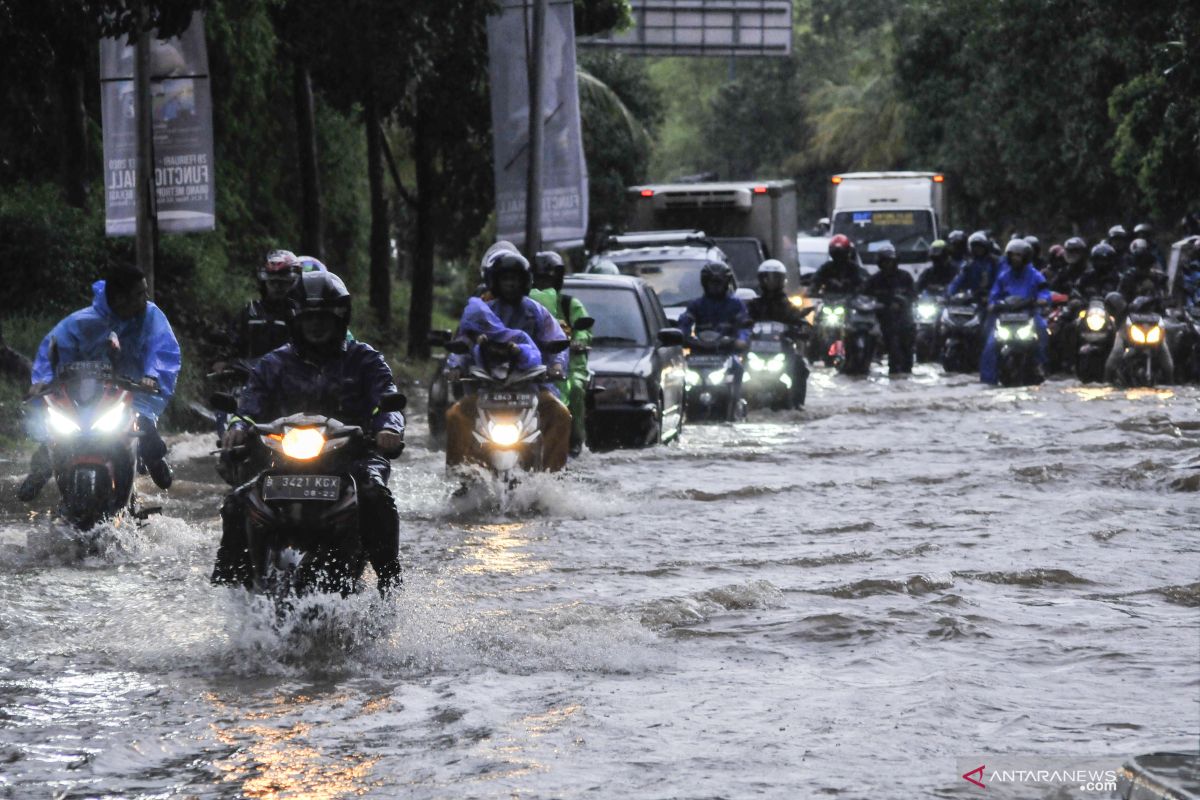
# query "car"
(672, 271)
(637, 360)
(812, 252)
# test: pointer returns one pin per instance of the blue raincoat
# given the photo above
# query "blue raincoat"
(977, 276)
(148, 348)
(528, 324)
(727, 315)
(1031, 285)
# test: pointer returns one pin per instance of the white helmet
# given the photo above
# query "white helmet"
(772, 266)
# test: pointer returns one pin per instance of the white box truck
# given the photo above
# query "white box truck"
(907, 209)
(734, 214)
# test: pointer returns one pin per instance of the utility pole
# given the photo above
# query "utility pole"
(533, 186)
(147, 206)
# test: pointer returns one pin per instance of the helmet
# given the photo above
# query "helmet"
(937, 248)
(492, 254)
(310, 264)
(278, 274)
(1118, 232)
(1103, 255)
(772, 276)
(509, 261)
(1058, 252)
(979, 238)
(549, 269)
(320, 312)
(839, 244)
(717, 273)
(885, 250)
(1075, 244)
(1019, 247)
(1139, 249)
(1143, 230)
(1034, 243)
(956, 236)
(604, 268)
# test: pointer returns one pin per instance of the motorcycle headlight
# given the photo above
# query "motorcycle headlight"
(1154, 335)
(776, 363)
(716, 377)
(303, 444)
(505, 434)
(754, 362)
(832, 315)
(926, 311)
(691, 378)
(1003, 334)
(110, 419)
(1026, 331)
(1137, 334)
(1096, 321)
(60, 422)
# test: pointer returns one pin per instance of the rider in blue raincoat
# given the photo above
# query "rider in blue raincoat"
(718, 310)
(148, 354)
(1017, 278)
(979, 272)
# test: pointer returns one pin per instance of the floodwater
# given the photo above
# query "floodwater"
(842, 602)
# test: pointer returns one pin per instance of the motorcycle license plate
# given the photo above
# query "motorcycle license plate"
(302, 487)
(767, 346)
(506, 400)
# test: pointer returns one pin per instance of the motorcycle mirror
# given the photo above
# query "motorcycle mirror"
(583, 324)
(439, 338)
(392, 401)
(458, 347)
(670, 337)
(223, 401)
(556, 346)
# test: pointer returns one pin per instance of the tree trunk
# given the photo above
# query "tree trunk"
(380, 247)
(420, 315)
(312, 240)
(74, 136)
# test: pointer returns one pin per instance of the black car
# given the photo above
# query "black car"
(637, 360)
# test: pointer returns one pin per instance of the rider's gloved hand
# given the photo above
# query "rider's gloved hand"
(150, 383)
(234, 437)
(578, 347)
(389, 443)
(555, 372)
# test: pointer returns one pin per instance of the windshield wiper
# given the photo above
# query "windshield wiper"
(613, 340)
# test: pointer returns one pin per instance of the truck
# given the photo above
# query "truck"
(907, 209)
(747, 220)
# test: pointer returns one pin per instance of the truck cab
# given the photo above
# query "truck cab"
(907, 209)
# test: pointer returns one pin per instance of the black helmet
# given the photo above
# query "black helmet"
(548, 267)
(1103, 255)
(510, 262)
(885, 251)
(494, 252)
(1139, 249)
(319, 296)
(717, 273)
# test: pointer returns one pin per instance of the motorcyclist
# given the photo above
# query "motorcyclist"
(941, 271)
(148, 354)
(1144, 230)
(1147, 285)
(1056, 263)
(893, 289)
(262, 325)
(841, 274)
(720, 311)
(1037, 262)
(320, 372)
(1118, 240)
(1017, 278)
(1075, 264)
(1144, 279)
(978, 274)
(548, 274)
(956, 242)
(509, 279)
(1102, 277)
(774, 305)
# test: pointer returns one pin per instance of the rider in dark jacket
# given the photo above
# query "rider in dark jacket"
(941, 271)
(841, 274)
(1145, 279)
(774, 305)
(262, 324)
(321, 373)
(1103, 276)
(893, 289)
(979, 272)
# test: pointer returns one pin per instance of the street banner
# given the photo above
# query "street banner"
(183, 140)
(564, 173)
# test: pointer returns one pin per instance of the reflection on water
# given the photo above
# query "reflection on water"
(499, 549)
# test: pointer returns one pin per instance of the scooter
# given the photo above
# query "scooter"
(858, 336)
(713, 391)
(302, 511)
(1017, 337)
(961, 324)
(927, 314)
(1096, 328)
(770, 365)
(1144, 337)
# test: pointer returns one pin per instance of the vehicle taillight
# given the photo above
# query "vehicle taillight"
(836, 179)
(647, 193)
(939, 178)
(760, 190)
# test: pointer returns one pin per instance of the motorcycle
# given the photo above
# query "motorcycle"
(1187, 350)
(927, 314)
(1017, 337)
(1144, 337)
(1096, 329)
(93, 441)
(961, 325)
(713, 393)
(507, 426)
(302, 510)
(857, 348)
(774, 348)
(830, 320)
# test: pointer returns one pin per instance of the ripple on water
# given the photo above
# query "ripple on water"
(868, 587)
(693, 609)
(1027, 577)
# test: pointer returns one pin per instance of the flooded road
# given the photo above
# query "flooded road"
(846, 601)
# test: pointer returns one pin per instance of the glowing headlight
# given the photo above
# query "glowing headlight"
(1137, 334)
(1096, 321)
(1154, 335)
(797, 300)
(1003, 333)
(303, 443)
(61, 423)
(505, 434)
(1026, 331)
(776, 363)
(691, 378)
(926, 311)
(716, 377)
(832, 315)
(754, 362)
(109, 420)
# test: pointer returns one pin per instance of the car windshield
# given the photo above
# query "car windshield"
(811, 262)
(618, 314)
(743, 257)
(911, 231)
(677, 281)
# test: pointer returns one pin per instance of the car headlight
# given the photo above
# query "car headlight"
(1154, 335)
(621, 388)
(505, 434)
(60, 422)
(110, 419)
(1096, 321)
(303, 444)
(1026, 331)
(1002, 333)
(926, 311)
(716, 377)
(1137, 334)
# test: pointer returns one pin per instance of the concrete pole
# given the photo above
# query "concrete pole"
(533, 186)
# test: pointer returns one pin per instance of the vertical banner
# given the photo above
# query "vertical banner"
(564, 173)
(183, 141)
